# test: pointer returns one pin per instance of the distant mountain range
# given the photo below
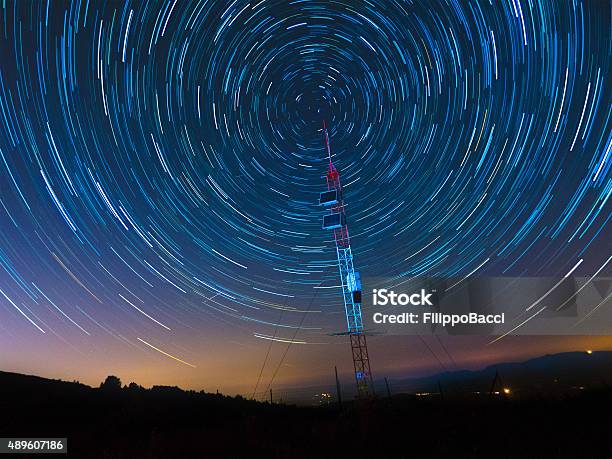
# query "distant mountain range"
(562, 372)
(553, 374)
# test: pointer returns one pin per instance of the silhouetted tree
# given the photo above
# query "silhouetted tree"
(111, 383)
(134, 386)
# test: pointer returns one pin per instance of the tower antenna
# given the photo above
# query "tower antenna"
(327, 144)
(349, 278)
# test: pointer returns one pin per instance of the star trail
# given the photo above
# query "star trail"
(160, 163)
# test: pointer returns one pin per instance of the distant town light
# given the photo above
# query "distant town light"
(507, 390)
(589, 351)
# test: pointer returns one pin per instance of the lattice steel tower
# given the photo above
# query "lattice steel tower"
(350, 279)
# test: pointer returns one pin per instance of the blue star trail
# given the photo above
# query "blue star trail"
(160, 162)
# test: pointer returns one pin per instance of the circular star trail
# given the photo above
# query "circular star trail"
(160, 163)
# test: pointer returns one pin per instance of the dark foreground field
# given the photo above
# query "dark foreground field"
(167, 422)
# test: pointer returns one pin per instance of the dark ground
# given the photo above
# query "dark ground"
(168, 422)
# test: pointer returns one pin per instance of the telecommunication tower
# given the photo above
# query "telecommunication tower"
(349, 278)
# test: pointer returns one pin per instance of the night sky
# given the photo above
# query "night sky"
(160, 165)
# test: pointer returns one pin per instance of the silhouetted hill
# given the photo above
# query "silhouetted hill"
(166, 422)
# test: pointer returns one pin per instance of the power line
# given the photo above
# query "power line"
(292, 339)
(450, 357)
(432, 353)
(268, 352)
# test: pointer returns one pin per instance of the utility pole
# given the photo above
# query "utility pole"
(270, 396)
(495, 378)
(338, 388)
(349, 278)
(388, 389)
